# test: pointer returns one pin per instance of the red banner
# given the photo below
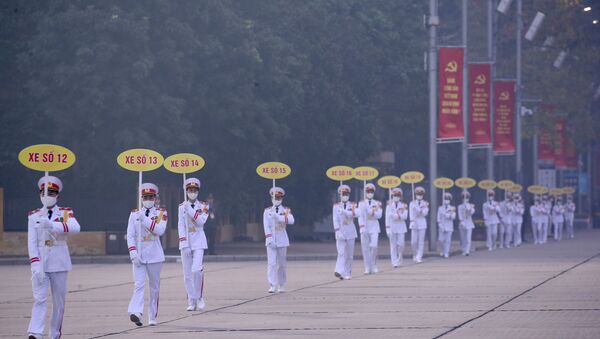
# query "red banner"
(479, 104)
(545, 146)
(504, 112)
(451, 68)
(560, 156)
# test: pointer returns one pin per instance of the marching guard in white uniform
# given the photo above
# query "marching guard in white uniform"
(396, 214)
(545, 217)
(192, 243)
(517, 219)
(466, 225)
(275, 220)
(369, 213)
(558, 218)
(47, 232)
(144, 229)
(418, 211)
(344, 213)
(445, 219)
(569, 217)
(535, 211)
(505, 228)
(490, 218)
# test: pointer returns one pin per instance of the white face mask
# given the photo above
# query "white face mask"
(466, 199)
(48, 201)
(192, 196)
(419, 197)
(446, 201)
(276, 202)
(148, 204)
(396, 199)
(370, 195)
(345, 198)
(490, 198)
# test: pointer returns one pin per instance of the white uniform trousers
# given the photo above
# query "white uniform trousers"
(136, 304)
(445, 239)
(58, 287)
(516, 233)
(345, 256)
(417, 242)
(491, 236)
(193, 275)
(544, 232)
(396, 248)
(501, 234)
(508, 228)
(368, 244)
(465, 239)
(276, 265)
(558, 230)
(535, 231)
(570, 229)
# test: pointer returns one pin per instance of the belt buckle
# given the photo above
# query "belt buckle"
(147, 238)
(49, 243)
(192, 229)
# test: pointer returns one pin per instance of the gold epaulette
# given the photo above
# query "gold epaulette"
(134, 210)
(34, 211)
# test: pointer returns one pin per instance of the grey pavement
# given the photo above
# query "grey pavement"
(541, 291)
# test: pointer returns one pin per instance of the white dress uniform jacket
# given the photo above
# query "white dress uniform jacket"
(558, 213)
(396, 214)
(445, 218)
(275, 220)
(149, 249)
(490, 212)
(343, 219)
(51, 244)
(465, 215)
(418, 210)
(190, 225)
(518, 211)
(370, 212)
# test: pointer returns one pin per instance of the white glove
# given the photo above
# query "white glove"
(186, 252)
(338, 235)
(136, 261)
(362, 229)
(36, 272)
(270, 242)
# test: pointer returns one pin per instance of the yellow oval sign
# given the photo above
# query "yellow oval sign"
(535, 189)
(443, 183)
(568, 190)
(487, 184)
(140, 160)
(340, 173)
(389, 181)
(516, 188)
(556, 191)
(505, 184)
(412, 177)
(544, 190)
(465, 182)
(184, 163)
(46, 157)
(365, 173)
(273, 170)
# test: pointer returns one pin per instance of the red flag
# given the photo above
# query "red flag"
(504, 112)
(479, 104)
(451, 68)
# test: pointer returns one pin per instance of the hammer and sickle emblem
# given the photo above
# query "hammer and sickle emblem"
(452, 66)
(504, 95)
(480, 80)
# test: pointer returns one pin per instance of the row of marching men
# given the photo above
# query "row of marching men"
(49, 226)
(503, 221)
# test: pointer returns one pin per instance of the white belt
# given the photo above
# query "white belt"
(51, 243)
(279, 227)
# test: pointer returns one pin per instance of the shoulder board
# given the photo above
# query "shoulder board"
(203, 202)
(65, 208)
(34, 211)
(337, 204)
(134, 210)
(161, 209)
(182, 203)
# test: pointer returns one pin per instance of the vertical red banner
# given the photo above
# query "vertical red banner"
(504, 113)
(545, 146)
(479, 104)
(451, 68)
(560, 155)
